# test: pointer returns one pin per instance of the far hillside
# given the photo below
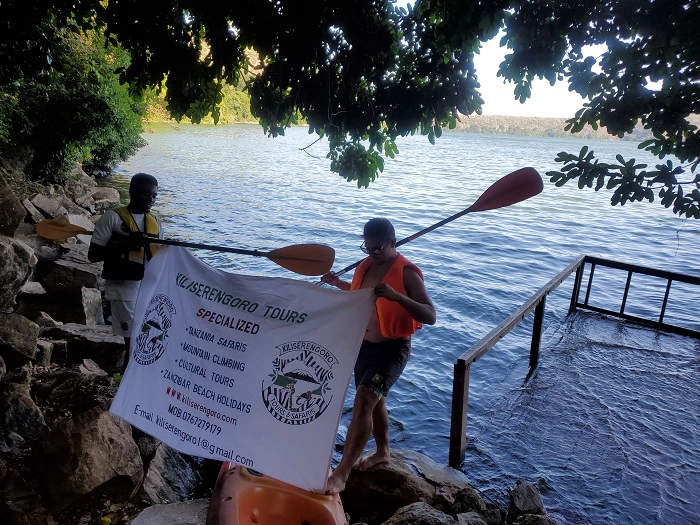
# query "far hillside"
(535, 127)
(235, 109)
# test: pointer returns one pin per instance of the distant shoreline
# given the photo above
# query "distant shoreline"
(483, 124)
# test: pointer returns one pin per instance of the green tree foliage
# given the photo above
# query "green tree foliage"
(60, 99)
(362, 73)
(648, 75)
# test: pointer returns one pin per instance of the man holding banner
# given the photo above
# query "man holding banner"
(401, 307)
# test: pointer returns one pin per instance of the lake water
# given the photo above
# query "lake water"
(230, 185)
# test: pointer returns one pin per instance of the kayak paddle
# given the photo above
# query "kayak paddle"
(304, 259)
(514, 187)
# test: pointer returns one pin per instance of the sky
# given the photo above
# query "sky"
(546, 100)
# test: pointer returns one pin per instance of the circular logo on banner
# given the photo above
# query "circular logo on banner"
(298, 391)
(153, 336)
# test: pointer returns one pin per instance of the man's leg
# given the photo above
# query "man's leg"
(127, 344)
(359, 432)
(380, 431)
(122, 319)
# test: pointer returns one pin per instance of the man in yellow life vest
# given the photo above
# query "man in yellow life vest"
(119, 241)
(402, 306)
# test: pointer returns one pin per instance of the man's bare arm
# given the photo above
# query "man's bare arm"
(417, 302)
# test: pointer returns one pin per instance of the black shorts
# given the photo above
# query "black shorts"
(379, 365)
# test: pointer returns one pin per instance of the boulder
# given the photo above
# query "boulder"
(48, 206)
(70, 392)
(375, 494)
(524, 498)
(83, 306)
(89, 368)
(33, 212)
(471, 518)
(18, 338)
(11, 210)
(45, 250)
(105, 197)
(74, 271)
(79, 188)
(89, 342)
(420, 514)
(193, 512)
(17, 263)
(169, 478)
(91, 452)
(20, 415)
(71, 209)
(44, 352)
(32, 288)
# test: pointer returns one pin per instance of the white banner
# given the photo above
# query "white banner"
(252, 370)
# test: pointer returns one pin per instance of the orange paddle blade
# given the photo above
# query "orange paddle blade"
(58, 230)
(304, 259)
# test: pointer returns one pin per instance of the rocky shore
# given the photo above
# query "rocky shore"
(64, 459)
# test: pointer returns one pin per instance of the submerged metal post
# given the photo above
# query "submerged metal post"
(577, 286)
(537, 333)
(460, 403)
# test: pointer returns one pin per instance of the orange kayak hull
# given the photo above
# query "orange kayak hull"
(244, 497)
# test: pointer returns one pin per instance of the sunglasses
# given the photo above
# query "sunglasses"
(375, 250)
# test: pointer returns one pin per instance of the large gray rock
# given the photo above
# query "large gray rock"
(17, 263)
(93, 451)
(524, 499)
(18, 338)
(105, 197)
(48, 206)
(35, 215)
(169, 478)
(19, 412)
(420, 514)
(11, 210)
(83, 306)
(45, 250)
(192, 512)
(375, 494)
(89, 342)
(71, 209)
(91, 301)
(471, 518)
(70, 392)
(79, 188)
(74, 271)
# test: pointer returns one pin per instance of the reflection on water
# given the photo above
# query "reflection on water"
(229, 185)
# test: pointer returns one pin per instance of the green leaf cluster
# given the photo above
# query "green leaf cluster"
(363, 73)
(648, 75)
(630, 181)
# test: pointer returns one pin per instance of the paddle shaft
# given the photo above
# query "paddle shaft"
(514, 187)
(242, 251)
(412, 237)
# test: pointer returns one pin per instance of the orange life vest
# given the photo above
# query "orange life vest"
(394, 321)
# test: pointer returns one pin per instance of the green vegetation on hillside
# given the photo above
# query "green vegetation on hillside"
(235, 108)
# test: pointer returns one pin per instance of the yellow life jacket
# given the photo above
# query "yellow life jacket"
(130, 266)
